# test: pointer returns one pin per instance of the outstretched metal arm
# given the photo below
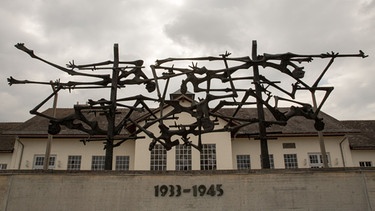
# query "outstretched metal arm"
(22, 47)
(68, 85)
(209, 58)
(308, 57)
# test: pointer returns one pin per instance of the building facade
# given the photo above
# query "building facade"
(294, 146)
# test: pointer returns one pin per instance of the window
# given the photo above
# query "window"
(272, 164)
(316, 160)
(39, 162)
(208, 157)
(365, 163)
(290, 161)
(74, 162)
(183, 157)
(3, 166)
(289, 145)
(97, 163)
(243, 162)
(158, 161)
(122, 162)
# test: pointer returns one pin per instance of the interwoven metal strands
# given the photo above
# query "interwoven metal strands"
(236, 84)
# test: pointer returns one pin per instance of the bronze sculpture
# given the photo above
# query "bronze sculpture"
(201, 79)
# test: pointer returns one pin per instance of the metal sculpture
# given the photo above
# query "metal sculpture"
(202, 80)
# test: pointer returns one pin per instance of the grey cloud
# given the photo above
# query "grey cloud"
(204, 28)
(86, 30)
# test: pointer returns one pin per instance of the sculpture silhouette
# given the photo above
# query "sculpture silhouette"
(201, 78)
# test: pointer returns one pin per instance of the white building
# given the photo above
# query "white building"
(23, 146)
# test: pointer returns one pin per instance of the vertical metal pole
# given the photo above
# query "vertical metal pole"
(320, 135)
(112, 111)
(262, 128)
(50, 137)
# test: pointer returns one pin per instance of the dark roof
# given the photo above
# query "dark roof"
(5, 126)
(360, 133)
(296, 126)
(38, 125)
(7, 141)
(365, 136)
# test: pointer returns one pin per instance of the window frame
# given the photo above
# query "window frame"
(208, 157)
(243, 161)
(365, 163)
(183, 158)
(122, 163)
(98, 162)
(158, 158)
(289, 145)
(40, 159)
(74, 162)
(319, 159)
(290, 161)
(272, 161)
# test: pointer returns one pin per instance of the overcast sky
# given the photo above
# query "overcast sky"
(85, 31)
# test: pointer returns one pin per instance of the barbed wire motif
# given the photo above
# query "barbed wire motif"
(237, 84)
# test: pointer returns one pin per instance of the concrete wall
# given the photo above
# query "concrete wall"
(330, 189)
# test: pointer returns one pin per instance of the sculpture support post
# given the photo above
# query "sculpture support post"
(321, 138)
(262, 128)
(50, 137)
(112, 111)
